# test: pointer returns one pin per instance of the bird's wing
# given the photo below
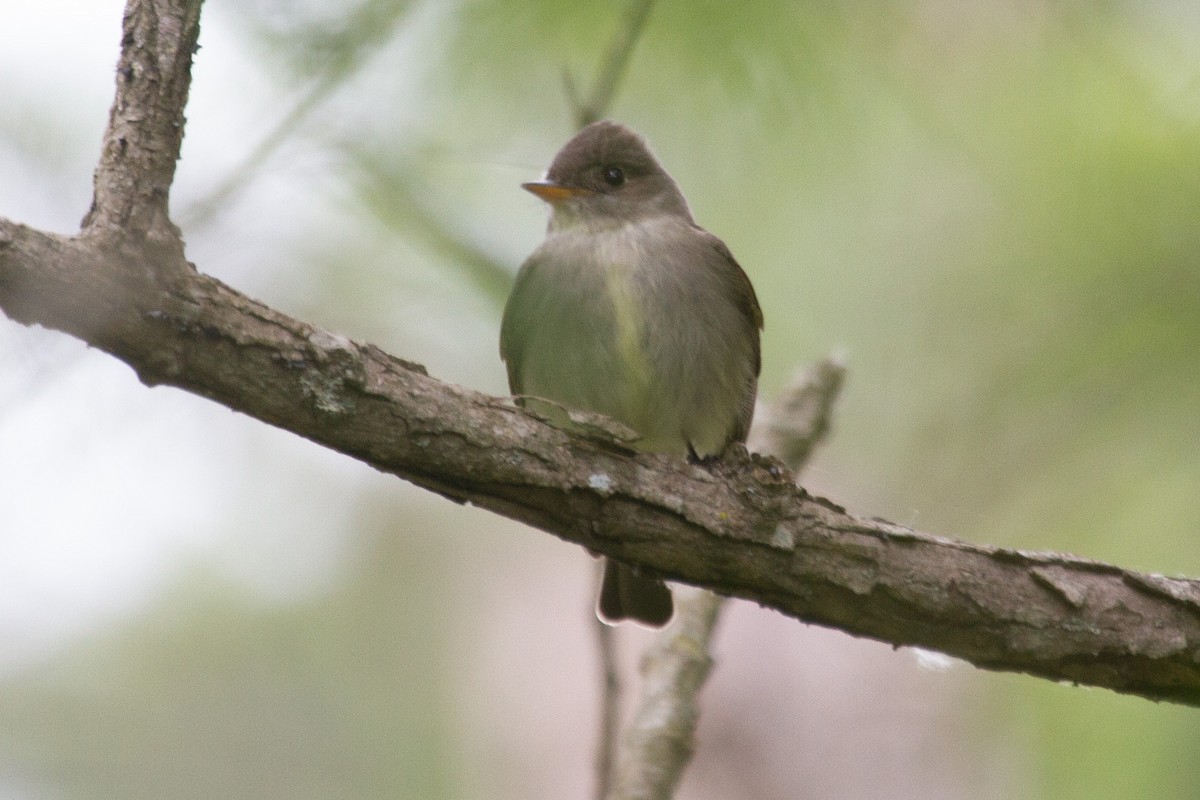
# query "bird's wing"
(512, 331)
(742, 292)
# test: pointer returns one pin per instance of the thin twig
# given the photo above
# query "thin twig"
(371, 33)
(202, 211)
(400, 203)
(616, 60)
(660, 738)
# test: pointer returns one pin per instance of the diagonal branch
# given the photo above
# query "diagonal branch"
(741, 528)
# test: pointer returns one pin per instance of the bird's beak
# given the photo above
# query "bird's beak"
(553, 192)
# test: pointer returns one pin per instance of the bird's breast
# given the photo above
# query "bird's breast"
(616, 322)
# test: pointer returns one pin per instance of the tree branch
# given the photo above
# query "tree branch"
(740, 527)
(145, 127)
(659, 741)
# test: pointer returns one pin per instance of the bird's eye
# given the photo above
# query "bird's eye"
(614, 176)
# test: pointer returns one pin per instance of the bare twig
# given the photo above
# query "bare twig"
(218, 198)
(368, 29)
(145, 126)
(395, 198)
(616, 60)
(401, 204)
(799, 420)
(659, 740)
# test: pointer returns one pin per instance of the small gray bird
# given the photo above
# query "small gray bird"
(631, 310)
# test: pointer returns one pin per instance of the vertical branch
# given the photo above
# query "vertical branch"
(658, 744)
(659, 741)
(145, 127)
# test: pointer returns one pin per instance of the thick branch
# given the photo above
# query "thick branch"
(740, 528)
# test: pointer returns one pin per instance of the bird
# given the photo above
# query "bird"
(631, 310)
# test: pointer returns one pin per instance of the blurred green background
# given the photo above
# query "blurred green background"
(992, 208)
